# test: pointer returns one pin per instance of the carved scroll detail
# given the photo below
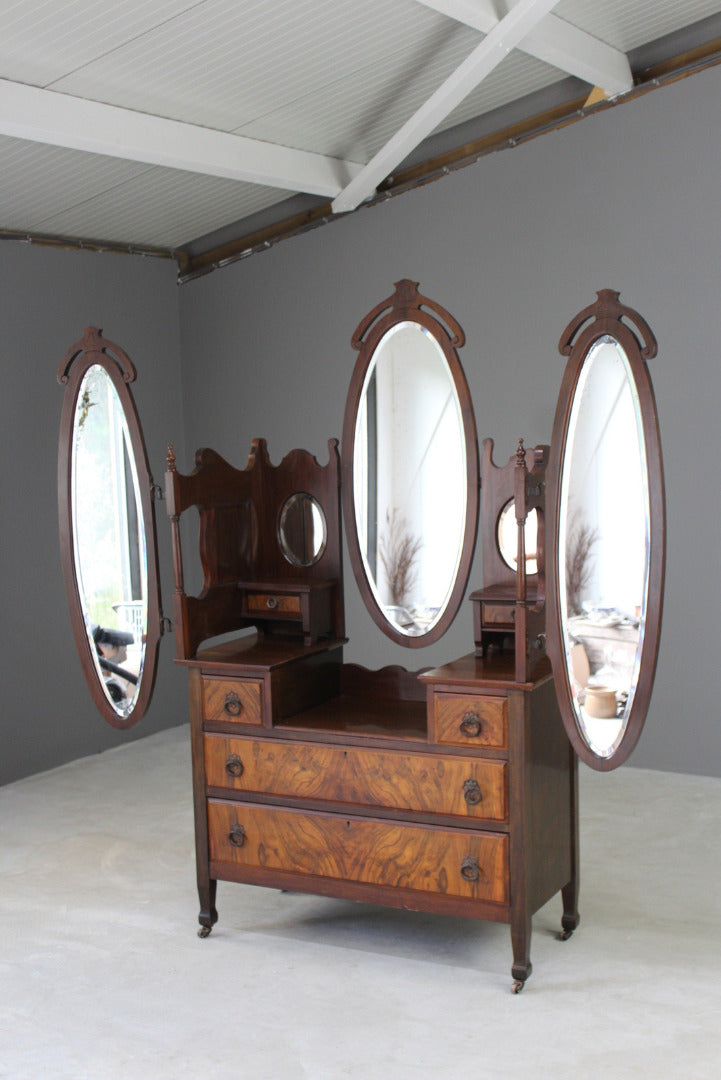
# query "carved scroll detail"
(93, 342)
(404, 300)
(609, 312)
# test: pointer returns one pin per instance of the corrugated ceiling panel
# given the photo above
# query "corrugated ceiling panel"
(226, 64)
(335, 76)
(380, 109)
(517, 76)
(626, 25)
(45, 39)
(160, 208)
(354, 115)
(38, 181)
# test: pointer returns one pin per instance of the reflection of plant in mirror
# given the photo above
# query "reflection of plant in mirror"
(85, 406)
(398, 551)
(579, 542)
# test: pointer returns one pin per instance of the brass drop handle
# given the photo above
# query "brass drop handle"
(470, 869)
(272, 602)
(234, 766)
(470, 725)
(237, 835)
(233, 705)
(472, 792)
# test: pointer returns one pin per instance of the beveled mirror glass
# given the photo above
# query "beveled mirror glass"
(410, 468)
(302, 529)
(607, 546)
(107, 530)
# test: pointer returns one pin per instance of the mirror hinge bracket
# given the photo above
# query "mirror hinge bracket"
(156, 492)
(166, 625)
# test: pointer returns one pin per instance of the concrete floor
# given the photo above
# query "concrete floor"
(102, 975)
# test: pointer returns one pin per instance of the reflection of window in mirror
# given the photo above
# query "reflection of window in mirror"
(412, 511)
(607, 504)
(605, 515)
(107, 526)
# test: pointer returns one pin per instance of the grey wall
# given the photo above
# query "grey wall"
(514, 246)
(47, 298)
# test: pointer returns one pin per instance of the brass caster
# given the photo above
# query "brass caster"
(564, 935)
(518, 985)
(204, 931)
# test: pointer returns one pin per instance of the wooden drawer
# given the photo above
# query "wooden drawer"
(455, 862)
(273, 604)
(228, 701)
(425, 783)
(469, 720)
(499, 615)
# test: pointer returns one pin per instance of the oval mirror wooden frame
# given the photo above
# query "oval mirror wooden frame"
(94, 350)
(605, 318)
(406, 305)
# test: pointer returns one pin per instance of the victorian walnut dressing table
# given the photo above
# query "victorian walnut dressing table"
(452, 789)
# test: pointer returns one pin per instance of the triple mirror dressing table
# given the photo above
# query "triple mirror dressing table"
(452, 789)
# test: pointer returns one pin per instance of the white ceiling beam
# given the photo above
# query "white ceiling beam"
(27, 112)
(554, 41)
(495, 46)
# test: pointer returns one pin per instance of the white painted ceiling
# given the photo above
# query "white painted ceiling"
(157, 122)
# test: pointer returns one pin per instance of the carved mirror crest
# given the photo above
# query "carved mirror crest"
(107, 529)
(410, 467)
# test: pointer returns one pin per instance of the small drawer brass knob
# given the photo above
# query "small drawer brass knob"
(470, 870)
(272, 603)
(471, 725)
(237, 836)
(233, 705)
(234, 766)
(472, 792)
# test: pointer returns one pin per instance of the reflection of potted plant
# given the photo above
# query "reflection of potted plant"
(398, 551)
(580, 539)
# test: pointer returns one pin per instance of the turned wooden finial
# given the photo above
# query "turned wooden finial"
(170, 459)
(521, 455)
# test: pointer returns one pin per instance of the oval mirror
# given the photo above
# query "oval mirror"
(410, 467)
(302, 529)
(606, 546)
(107, 530)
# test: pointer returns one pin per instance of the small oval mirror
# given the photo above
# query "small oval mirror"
(302, 529)
(507, 537)
(107, 530)
(410, 466)
(606, 558)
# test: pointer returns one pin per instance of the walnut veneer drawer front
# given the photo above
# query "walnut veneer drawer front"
(470, 720)
(431, 783)
(228, 700)
(455, 862)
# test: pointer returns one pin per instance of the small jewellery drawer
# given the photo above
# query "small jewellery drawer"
(426, 783)
(273, 604)
(469, 720)
(232, 701)
(455, 862)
